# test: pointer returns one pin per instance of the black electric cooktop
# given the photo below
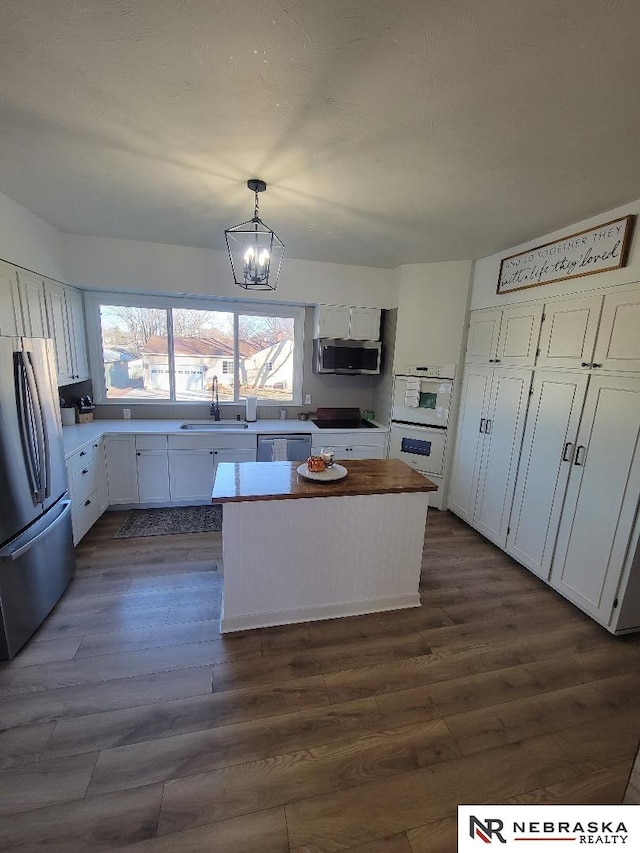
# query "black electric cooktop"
(335, 423)
(340, 417)
(338, 424)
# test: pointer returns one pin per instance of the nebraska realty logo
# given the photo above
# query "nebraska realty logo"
(560, 827)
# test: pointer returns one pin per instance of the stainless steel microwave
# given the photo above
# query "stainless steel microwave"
(347, 357)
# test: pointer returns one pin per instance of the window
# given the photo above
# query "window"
(154, 349)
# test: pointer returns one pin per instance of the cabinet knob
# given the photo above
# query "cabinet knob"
(585, 364)
(87, 502)
(137, 453)
(596, 365)
(83, 453)
(85, 470)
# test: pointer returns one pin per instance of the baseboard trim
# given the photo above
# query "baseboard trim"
(314, 614)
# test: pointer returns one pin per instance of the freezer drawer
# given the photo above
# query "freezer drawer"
(35, 569)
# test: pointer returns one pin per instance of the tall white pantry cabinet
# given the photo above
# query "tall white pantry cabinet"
(547, 459)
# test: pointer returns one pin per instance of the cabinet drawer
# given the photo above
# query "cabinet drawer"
(84, 482)
(82, 458)
(85, 515)
(151, 442)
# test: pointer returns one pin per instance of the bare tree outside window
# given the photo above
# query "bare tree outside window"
(138, 362)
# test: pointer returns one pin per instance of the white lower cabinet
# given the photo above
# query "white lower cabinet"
(359, 444)
(545, 464)
(191, 475)
(122, 470)
(152, 466)
(493, 409)
(193, 460)
(86, 477)
(597, 545)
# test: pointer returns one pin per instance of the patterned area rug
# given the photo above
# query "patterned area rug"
(167, 520)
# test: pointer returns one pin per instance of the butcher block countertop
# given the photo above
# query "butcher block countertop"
(276, 481)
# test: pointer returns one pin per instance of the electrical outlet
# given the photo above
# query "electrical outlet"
(307, 399)
(126, 414)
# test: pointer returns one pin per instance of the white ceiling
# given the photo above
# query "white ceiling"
(389, 131)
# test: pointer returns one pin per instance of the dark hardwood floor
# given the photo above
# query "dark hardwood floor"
(130, 724)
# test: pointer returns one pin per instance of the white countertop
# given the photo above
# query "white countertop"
(75, 437)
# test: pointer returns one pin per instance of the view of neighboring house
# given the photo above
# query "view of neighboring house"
(197, 361)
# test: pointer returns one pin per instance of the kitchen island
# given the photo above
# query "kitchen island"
(296, 550)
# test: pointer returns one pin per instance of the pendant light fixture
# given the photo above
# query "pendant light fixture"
(255, 251)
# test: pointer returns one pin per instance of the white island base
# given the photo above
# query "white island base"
(300, 560)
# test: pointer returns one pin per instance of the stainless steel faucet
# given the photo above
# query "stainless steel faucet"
(214, 411)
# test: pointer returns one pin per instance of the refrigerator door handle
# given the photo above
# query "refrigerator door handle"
(15, 550)
(25, 420)
(42, 437)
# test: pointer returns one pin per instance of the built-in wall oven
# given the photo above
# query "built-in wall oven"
(419, 421)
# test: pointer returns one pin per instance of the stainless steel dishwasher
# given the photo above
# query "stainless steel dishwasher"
(275, 448)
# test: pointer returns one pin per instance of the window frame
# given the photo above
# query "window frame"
(94, 299)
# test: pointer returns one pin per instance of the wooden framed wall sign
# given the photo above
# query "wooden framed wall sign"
(598, 249)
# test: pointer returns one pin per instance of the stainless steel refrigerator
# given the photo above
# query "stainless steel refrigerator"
(36, 545)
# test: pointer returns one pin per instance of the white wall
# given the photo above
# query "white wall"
(100, 263)
(30, 242)
(483, 293)
(432, 309)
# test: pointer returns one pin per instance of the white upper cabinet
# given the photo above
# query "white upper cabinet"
(10, 316)
(67, 328)
(344, 322)
(569, 332)
(32, 300)
(506, 336)
(59, 328)
(484, 331)
(618, 343)
(519, 334)
(77, 334)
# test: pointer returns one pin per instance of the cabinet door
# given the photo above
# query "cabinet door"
(618, 342)
(484, 332)
(10, 316)
(34, 312)
(501, 451)
(153, 476)
(77, 335)
(470, 435)
(602, 497)
(122, 477)
(569, 332)
(545, 464)
(332, 321)
(59, 330)
(519, 335)
(365, 324)
(191, 475)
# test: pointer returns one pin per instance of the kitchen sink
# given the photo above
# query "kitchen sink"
(215, 425)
